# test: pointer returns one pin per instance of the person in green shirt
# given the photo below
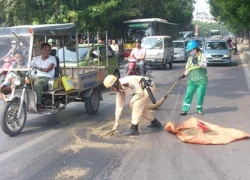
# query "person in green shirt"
(196, 69)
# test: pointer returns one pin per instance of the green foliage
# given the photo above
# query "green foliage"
(235, 14)
(94, 15)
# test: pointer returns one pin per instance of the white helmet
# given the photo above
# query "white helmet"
(109, 81)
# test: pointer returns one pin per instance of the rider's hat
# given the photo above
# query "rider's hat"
(138, 40)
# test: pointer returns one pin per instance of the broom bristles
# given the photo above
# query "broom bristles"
(156, 105)
(109, 133)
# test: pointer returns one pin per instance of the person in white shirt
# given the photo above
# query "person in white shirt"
(115, 48)
(46, 70)
(138, 53)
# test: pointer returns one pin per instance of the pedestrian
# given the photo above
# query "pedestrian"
(132, 85)
(115, 48)
(196, 69)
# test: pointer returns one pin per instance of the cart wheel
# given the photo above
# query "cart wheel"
(92, 102)
(9, 123)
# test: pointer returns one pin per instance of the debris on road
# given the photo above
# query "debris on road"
(75, 173)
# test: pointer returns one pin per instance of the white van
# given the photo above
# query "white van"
(159, 51)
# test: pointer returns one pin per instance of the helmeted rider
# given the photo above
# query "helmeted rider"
(229, 42)
(132, 85)
(139, 54)
(197, 81)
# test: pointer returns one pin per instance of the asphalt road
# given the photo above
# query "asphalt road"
(67, 145)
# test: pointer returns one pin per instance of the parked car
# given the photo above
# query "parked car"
(217, 52)
(91, 54)
(180, 53)
(159, 51)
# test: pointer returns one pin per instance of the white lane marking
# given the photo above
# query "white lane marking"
(246, 71)
(27, 145)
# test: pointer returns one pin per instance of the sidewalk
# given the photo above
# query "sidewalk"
(244, 51)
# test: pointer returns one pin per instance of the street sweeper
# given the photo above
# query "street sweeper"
(141, 89)
(196, 69)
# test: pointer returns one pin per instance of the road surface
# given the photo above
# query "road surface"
(67, 145)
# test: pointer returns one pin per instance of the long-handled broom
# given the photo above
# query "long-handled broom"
(159, 103)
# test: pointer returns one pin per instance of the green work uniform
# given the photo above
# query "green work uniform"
(197, 82)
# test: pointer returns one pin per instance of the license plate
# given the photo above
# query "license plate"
(151, 60)
(217, 59)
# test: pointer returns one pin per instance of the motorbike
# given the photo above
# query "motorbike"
(234, 49)
(134, 69)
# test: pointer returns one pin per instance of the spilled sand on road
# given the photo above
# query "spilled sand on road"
(85, 143)
(97, 130)
(71, 174)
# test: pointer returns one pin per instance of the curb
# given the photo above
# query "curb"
(244, 53)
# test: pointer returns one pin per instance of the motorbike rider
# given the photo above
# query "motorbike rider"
(11, 51)
(139, 54)
(229, 42)
(197, 81)
(5, 87)
(234, 44)
(132, 85)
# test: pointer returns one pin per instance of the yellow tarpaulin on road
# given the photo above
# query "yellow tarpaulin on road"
(197, 131)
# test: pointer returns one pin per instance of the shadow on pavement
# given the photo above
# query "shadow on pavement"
(224, 65)
(221, 110)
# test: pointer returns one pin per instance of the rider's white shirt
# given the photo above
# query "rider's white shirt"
(138, 52)
(39, 63)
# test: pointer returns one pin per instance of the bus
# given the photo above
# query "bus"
(214, 32)
(139, 28)
(186, 34)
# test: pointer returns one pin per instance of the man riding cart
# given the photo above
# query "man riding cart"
(53, 87)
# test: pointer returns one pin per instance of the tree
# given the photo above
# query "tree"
(94, 15)
(235, 14)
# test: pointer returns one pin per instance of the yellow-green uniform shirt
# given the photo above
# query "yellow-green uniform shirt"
(197, 72)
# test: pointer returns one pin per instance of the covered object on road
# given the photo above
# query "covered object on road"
(197, 131)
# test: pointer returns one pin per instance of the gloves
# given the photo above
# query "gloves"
(115, 126)
(194, 60)
(131, 105)
(182, 76)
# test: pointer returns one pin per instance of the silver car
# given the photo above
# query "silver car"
(180, 53)
(217, 52)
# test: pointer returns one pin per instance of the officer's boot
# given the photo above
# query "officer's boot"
(155, 123)
(133, 131)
